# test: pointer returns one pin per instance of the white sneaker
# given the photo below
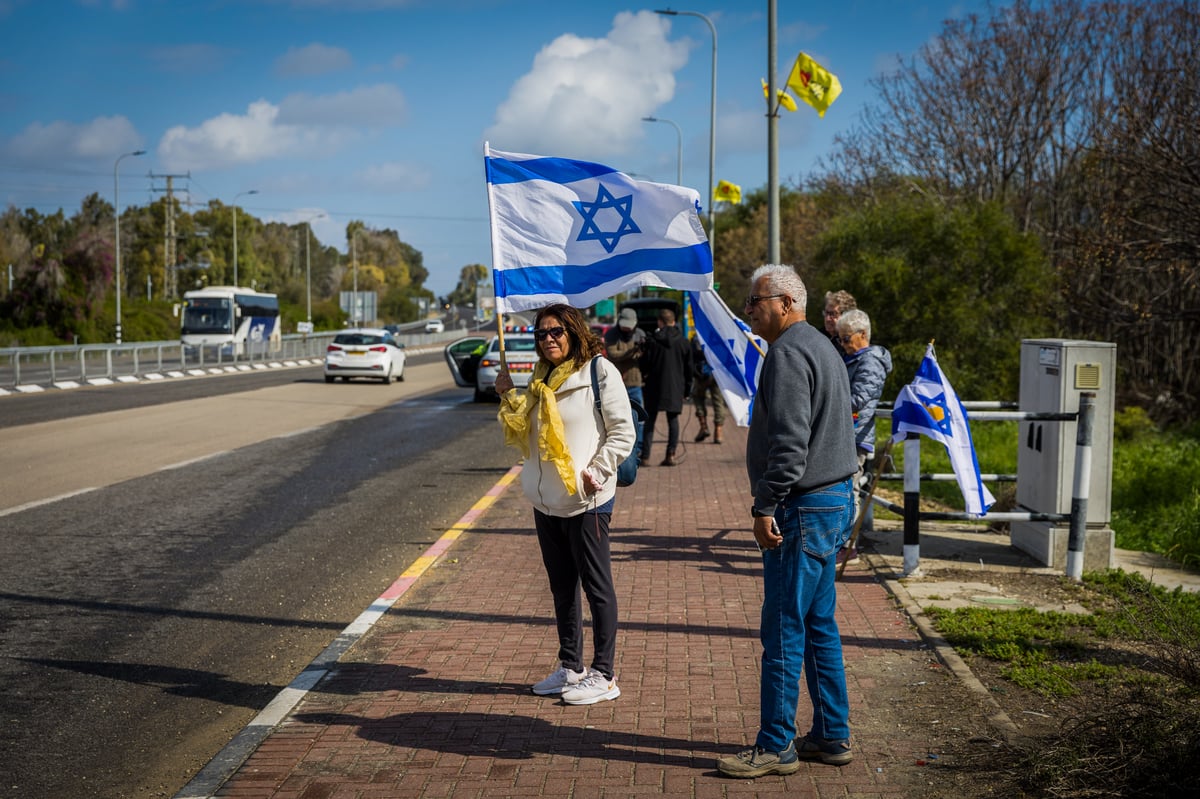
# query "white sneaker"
(593, 688)
(559, 681)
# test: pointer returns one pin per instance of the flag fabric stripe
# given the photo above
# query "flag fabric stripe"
(556, 170)
(929, 406)
(578, 232)
(734, 361)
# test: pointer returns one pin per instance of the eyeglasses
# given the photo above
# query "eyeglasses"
(553, 332)
(846, 339)
(834, 314)
(755, 299)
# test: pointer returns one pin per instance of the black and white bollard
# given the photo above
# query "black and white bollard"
(1080, 486)
(912, 505)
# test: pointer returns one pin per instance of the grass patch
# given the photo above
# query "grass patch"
(1132, 668)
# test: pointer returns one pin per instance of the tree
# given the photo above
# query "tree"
(1081, 121)
(469, 278)
(961, 274)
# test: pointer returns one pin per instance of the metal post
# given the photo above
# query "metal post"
(117, 238)
(773, 148)
(1081, 485)
(712, 120)
(912, 505)
(678, 148)
(235, 260)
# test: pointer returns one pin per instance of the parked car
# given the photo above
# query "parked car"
(475, 362)
(364, 352)
(435, 326)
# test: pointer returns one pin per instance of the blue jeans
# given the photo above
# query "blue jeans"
(799, 631)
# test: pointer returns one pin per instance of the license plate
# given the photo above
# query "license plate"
(520, 367)
(356, 352)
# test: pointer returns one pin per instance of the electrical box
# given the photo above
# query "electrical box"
(1054, 372)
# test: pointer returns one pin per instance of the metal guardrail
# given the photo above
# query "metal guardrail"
(79, 364)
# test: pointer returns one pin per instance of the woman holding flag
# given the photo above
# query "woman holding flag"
(569, 475)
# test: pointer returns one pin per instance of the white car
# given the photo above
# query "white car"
(364, 352)
(475, 362)
(435, 326)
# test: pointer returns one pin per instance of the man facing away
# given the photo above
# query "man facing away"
(800, 460)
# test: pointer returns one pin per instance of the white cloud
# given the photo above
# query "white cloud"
(368, 106)
(393, 177)
(102, 138)
(315, 59)
(301, 126)
(586, 97)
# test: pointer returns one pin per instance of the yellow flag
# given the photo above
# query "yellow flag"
(814, 84)
(785, 99)
(727, 192)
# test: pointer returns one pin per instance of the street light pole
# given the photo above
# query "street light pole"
(354, 297)
(308, 263)
(117, 238)
(712, 119)
(235, 264)
(679, 151)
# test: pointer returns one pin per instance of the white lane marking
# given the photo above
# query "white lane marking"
(48, 500)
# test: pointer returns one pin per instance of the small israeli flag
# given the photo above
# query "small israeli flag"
(929, 406)
(735, 361)
(578, 232)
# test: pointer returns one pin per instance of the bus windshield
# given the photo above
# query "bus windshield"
(207, 315)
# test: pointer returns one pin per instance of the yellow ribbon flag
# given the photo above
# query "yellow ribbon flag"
(814, 84)
(727, 192)
(785, 99)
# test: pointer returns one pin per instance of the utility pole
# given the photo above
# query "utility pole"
(170, 273)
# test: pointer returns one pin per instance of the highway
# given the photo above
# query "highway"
(172, 555)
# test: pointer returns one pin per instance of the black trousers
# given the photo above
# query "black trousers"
(576, 553)
(672, 431)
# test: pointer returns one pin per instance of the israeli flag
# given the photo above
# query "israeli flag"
(733, 352)
(578, 232)
(929, 406)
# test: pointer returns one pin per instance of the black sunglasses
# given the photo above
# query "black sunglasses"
(755, 299)
(556, 332)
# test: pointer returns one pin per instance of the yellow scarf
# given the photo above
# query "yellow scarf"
(516, 416)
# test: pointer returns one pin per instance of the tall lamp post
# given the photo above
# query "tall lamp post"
(117, 238)
(712, 116)
(308, 262)
(235, 199)
(354, 255)
(679, 152)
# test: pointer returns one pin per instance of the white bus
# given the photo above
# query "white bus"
(238, 321)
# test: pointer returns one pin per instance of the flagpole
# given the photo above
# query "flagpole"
(487, 153)
(772, 143)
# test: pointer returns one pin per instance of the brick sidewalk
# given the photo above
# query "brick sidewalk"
(434, 701)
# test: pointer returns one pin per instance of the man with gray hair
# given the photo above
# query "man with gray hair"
(800, 460)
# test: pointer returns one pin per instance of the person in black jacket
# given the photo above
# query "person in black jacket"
(665, 373)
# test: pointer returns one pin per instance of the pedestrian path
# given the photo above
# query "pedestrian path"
(434, 700)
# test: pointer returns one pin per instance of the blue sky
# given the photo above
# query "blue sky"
(378, 109)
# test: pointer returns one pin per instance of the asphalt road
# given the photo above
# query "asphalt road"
(170, 562)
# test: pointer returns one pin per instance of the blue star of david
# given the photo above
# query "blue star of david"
(606, 201)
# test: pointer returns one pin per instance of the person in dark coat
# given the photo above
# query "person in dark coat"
(665, 373)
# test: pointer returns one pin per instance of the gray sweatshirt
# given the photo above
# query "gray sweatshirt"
(801, 430)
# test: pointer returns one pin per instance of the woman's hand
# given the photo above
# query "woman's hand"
(590, 484)
(504, 383)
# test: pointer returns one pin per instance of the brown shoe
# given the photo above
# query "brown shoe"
(669, 460)
(717, 434)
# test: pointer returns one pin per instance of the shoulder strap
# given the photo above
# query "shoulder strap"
(596, 384)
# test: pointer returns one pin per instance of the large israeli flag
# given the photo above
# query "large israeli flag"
(929, 406)
(733, 352)
(578, 232)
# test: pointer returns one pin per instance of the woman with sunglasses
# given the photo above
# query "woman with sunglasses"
(571, 458)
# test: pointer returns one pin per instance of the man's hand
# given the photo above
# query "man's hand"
(766, 533)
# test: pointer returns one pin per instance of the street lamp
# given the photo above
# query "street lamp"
(308, 262)
(354, 255)
(712, 117)
(679, 155)
(235, 199)
(117, 239)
